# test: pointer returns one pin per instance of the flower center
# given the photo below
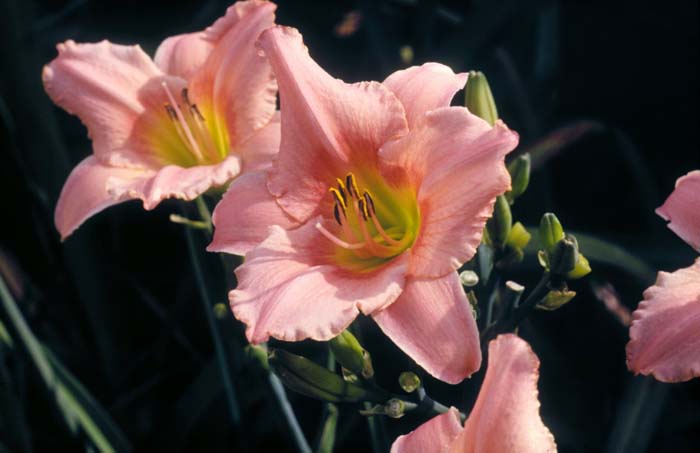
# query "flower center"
(192, 140)
(371, 228)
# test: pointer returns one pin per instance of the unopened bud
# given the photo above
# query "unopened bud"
(499, 226)
(351, 355)
(519, 237)
(308, 378)
(409, 381)
(257, 353)
(394, 408)
(469, 278)
(519, 171)
(581, 269)
(479, 99)
(551, 231)
(563, 257)
(555, 299)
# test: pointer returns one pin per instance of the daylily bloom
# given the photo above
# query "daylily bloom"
(193, 119)
(665, 331)
(505, 417)
(379, 193)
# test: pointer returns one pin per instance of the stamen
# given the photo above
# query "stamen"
(183, 122)
(369, 202)
(338, 197)
(363, 209)
(341, 189)
(337, 241)
(336, 214)
(351, 184)
(197, 113)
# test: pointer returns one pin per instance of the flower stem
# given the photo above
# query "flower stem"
(288, 412)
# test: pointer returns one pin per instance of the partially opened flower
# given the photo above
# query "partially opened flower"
(195, 118)
(505, 417)
(379, 193)
(665, 331)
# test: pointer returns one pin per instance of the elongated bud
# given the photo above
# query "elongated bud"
(519, 237)
(551, 231)
(469, 278)
(519, 171)
(499, 226)
(351, 355)
(563, 258)
(478, 98)
(409, 381)
(556, 299)
(308, 378)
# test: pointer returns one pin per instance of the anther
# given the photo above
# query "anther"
(171, 111)
(195, 110)
(339, 199)
(371, 211)
(341, 189)
(185, 96)
(351, 184)
(336, 214)
(363, 209)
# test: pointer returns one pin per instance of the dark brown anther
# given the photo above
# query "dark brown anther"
(370, 204)
(185, 96)
(351, 185)
(337, 197)
(171, 111)
(196, 112)
(336, 214)
(363, 208)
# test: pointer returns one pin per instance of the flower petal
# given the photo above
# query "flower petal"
(235, 78)
(424, 88)
(244, 214)
(100, 84)
(457, 162)
(664, 340)
(182, 55)
(506, 414)
(436, 435)
(288, 290)
(682, 209)
(432, 322)
(86, 192)
(258, 151)
(328, 126)
(173, 181)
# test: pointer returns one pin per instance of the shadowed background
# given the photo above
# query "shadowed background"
(604, 95)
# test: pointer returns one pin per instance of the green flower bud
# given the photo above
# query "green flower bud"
(581, 269)
(562, 259)
(555, 299)
(394, 408)
(519, 237)
(351, 355)
(469, 278)
(258, 354)
(478, 98)
(519, 171)
(551, 231)
(409, 381)
(499, 225)
(308, 378)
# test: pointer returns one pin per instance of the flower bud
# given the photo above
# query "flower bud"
(409, 381)
(469, 278)
(555, 299)
(562, 259)
(258, 354)
(551, 231)
(519, 170)
(519, 237)
(581, 269)
(499, 225)
(308, 378)
(351, 355)
(478, 98)
(394, 408)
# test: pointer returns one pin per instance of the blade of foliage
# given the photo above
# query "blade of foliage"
(551, 144)
(80, 410)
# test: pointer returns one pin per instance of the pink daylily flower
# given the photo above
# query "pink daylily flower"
(379, 193)
(196, 116)
(665, 331)
(505, 417)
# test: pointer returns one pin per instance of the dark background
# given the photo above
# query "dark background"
(603, 93)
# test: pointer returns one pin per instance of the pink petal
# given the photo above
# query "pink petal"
(435, 436)
(173, 181)
(100, 84)
(664, 339)
(259, 150)
(238, 80)
(86, 192)
(182, 55)
(424, 88)
(244, 214)
(328, 127)
(506, 414)
(432, 322)
(289, 290)
(682, 209)
(457, 161)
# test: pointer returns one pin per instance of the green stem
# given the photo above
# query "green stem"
(288, 412)
(213, 327)
(204, 213)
